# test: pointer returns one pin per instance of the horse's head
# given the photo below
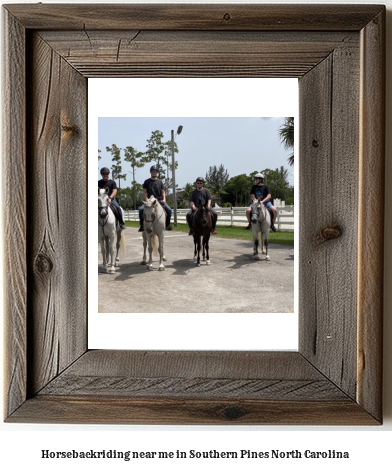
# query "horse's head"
(103, 202)
(255, 210)
(202, 214)
(149, 213)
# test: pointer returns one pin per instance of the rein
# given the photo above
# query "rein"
(199, 210)
(105, 220)
(156, 209)
(260, 212)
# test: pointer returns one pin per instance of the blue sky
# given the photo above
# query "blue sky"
(241, 144)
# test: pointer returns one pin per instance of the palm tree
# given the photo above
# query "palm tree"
(286, 134)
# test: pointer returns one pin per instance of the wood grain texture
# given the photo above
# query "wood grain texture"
(195, 53)
(371, 218)
(155, 411)
(335, 378)
(195, 17)
(329, 225)
(192, 387)
(206, 374)
(57, 215)
(14, 198)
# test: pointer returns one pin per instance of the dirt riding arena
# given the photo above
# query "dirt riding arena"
(233, 283)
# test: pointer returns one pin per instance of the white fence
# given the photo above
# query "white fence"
(232, 216)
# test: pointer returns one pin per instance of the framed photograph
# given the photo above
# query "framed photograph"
(337, 52)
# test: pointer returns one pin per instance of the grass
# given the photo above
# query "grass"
(228, 232)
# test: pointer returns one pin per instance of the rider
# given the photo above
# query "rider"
(259, 189)
(105, 182)
(154, 187)
(200, 193)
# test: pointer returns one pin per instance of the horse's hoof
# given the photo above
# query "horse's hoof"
(150, 267)
(198, 264)
(208, 262)
(143, 263)
(267, 257)
(164, 259)
(257, 257)
(161, 269)
(111, 270)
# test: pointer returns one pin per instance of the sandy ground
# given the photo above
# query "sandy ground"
(234, 282)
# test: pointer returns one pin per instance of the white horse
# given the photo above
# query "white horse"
(108, 230)
(154, 219)
(261, 222)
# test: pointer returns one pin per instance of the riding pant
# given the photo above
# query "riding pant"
(119, 211)
(213, 214)
(266, 204)
(167, 209)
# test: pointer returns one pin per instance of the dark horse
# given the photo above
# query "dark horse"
(202, 225)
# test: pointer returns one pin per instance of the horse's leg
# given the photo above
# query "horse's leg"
(266, 232)
(198, 250)
(118, 234)
(164, 259)
(160, 251)
(107, 252)
(144, 261)
(111, 267)
(255, 242)
(207, 247)
(203, 245)
(103, 252)
(149, 264)
(195, 243)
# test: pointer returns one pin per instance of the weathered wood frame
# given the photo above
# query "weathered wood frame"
(337, 52)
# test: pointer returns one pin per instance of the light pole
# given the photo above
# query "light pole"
(179, 130)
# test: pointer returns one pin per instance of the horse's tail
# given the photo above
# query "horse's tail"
(154, 240)
(122, 243)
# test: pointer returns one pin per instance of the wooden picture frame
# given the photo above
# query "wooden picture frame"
(338, 54)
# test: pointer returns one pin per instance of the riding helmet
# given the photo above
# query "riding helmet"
(153, 167)
(201, 179)
(105, 170)
(258, 175)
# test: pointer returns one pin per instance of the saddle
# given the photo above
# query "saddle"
(114, 210)
(193, 215)
(164, 208)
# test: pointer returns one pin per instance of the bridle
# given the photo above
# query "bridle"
(204, 212)
(257, 211)
(154, 215)
(104, 219)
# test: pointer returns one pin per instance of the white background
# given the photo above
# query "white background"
(248, 98)
(369, 448)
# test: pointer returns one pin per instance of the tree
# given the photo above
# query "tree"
(286, 134)
(155, 152)
(187, 192)
(216, 178)
(137, 194)
(168, 183)
(277, 182)
(135, 158)
(116, 167)
(237, 190)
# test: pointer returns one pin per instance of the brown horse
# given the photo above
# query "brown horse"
(202, 225)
